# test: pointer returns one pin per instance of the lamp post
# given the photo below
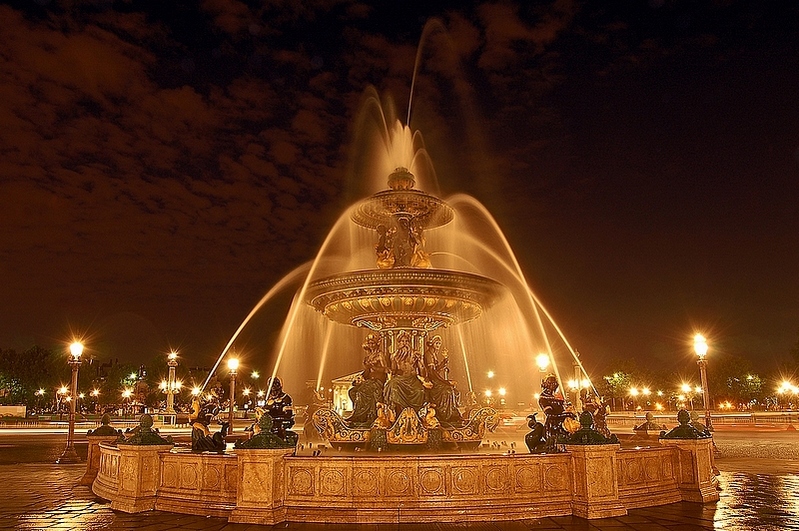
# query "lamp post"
(233, 367)
(700, 347)
(171, 384)
(69, 455)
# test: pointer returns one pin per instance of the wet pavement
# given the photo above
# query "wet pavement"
(758, 492)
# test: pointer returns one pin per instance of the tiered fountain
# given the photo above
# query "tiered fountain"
(415, 431)
(404, 397)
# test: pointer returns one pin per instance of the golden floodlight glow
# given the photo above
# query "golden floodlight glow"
(63, 390)
(76, 349)
(490, 374)
(488, 392)
(686, 388)
(645, 391)
(246, 391)
(700, 345)
(542, 360)
(196, 391)
(233, 364)
(633, 391)
(173, 355)
(585, 384)
(255, 375)
(163, 384)
(95, 392)
(501, 391)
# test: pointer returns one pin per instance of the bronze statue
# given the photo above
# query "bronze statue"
(200, 418)
(441, 391)
(367, 388)
(649, 424)
(535, 440)
(405, 388)
(598, 408)
(554, 407)
(279, 406)
(385, 247)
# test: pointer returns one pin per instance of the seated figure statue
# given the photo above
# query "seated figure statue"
(367, 388)
(554, 407)
(405, 388)
(279, 406)
(441, 391)
(200, 418)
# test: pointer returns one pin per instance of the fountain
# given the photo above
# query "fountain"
(403, 397)
(401, 280)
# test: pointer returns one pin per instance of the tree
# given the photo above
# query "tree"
(24, 373)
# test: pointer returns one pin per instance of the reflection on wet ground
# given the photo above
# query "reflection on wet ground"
(758, 501)
(44, 496)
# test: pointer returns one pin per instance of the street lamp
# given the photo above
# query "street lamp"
(69, 455)
(700, 347)
(233, 367)
(172, 386)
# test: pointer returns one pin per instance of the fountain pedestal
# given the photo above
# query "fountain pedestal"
(694, 469)
(139, 477)
(595, 483)
(261, 486)
(93, 456)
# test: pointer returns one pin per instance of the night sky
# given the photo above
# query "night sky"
(163, 167)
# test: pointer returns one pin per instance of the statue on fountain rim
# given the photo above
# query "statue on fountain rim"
(441, 391)
(200, 418)
(367, 388)
(405, 388)
(554, 407)
(279, 406)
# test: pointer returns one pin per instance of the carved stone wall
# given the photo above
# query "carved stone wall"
(647, 477)
(426, 488)
(211, 480)
(272, 486)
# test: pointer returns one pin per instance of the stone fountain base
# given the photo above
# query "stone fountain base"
(273, 486)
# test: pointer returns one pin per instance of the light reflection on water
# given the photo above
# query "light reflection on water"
(757, 501)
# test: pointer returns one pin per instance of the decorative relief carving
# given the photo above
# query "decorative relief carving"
(331, 482)
(634, 470)
(431, 481)
(128, 471)
(212, 478)
(528, 479)
(364, 482)
(301, 482)
(188, 476)
(652, 468)
(398, 482)
(555, 477)
(169, 477)
(464, 480)
(668, 467)
(496, 478)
